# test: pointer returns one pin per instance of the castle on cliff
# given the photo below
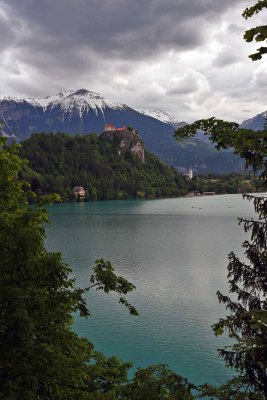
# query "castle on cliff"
(113, 128)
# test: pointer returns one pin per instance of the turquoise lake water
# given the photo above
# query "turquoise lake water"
(175, 252)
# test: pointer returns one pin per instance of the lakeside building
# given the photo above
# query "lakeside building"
(209, 193)
(79, 192)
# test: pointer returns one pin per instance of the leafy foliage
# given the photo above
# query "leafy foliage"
(226, 183)
(157, 382)
(104, 278)
(259, 33)
(40, 355)
(250, 145)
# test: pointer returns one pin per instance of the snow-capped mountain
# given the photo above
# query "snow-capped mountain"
(73, 111)
(164, 117)
(81, 100)
(256, 123)
(68, 100)
(82, 112)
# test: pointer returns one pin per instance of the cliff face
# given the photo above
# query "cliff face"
(126, 141)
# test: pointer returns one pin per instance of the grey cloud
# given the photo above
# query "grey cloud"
(226, 57)
(116, 27)
(184, 85)
(193, 8)
(108, 46)
(259, 80)
(7, 35)
(64, 39)
(23, 86)
(234, 28)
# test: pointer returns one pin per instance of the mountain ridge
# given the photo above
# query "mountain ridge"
(62, 97)
(163, 116)
(82, 112)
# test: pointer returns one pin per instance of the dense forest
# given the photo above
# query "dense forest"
(58, 162)
(224, 183)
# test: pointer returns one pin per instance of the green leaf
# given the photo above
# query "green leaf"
(218, 331)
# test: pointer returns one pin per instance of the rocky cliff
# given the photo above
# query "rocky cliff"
(127, 140)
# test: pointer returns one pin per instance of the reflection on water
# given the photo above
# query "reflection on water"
(175, 252)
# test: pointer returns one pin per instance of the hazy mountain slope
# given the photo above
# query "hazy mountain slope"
(256, 123)
(163, 116)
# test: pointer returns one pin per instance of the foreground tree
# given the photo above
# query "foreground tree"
(40, 356)
(157, 382)
(247, 321)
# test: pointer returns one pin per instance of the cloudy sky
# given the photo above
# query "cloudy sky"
(186, 57)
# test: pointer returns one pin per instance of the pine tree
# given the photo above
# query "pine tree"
(247, 321)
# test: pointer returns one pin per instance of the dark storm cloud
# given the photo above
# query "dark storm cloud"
(122, 28)
(7, 36)
(141, 52)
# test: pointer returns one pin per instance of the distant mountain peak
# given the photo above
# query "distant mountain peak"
(68, 100)
(80, 92)
(79, 100)
(163, 116)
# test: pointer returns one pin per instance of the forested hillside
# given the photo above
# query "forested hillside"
(58, 162)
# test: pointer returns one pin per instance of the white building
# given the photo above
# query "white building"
(189, 174)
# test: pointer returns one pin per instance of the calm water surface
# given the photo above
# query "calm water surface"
(175, 252)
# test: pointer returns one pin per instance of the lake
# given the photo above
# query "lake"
(175, 252)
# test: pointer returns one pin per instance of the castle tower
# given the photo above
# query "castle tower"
(109, 127)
